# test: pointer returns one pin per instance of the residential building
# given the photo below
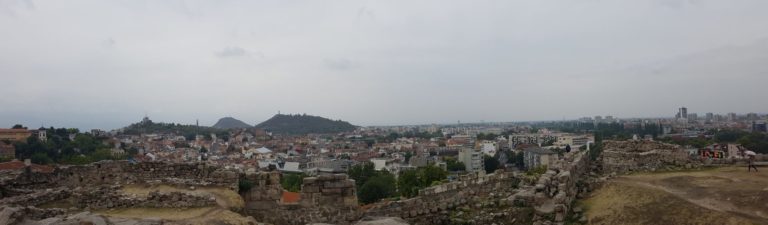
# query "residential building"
(536, 156)
(14, 134)
(489, 148)
(574, 141)
(379, 164)
(759, 126)
(472, 159)
(41, 134)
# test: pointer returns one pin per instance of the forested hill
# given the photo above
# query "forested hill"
(189, 131)
(304, 124)
(230, 123)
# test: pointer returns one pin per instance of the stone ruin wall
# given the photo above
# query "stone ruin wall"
(329, 198)
(323, 199)
(630, 156)
(551, 195)
(109, 197)
(432, 204)
(93, 185)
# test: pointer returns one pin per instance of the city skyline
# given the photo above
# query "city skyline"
(701, 115)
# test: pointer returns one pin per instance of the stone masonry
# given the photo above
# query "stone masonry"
(324, 199)
(631, 156)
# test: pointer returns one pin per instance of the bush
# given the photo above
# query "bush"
(377, 188)
(539, 170)
(292, 182)
(454, 165)
(244, 185)
(41, 158)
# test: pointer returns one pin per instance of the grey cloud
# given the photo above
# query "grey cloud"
(339, 64)
(109, 42)
(11, 7)
(679, 4)
(365, 12)
(232, 52)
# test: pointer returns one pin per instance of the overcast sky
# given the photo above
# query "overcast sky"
(104, 64)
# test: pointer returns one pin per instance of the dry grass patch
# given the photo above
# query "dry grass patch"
(727, 195)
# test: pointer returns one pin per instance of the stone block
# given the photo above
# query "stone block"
(310, 189)
(331, 190)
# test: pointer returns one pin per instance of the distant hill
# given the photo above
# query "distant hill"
(147, 126)
(304, 124)
(230, 123)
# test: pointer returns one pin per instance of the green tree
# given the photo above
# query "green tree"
(244, 185)
(408, 156)
(431, 173)
(41, 158)
(292, 182)
(454, 165)
(361, 173)
(408, 183)
(520, 160)
(377, 188)
(491, 164)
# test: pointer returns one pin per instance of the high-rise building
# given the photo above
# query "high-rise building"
(472, 159)
(759, 126)
(710, 116)
(682, 113)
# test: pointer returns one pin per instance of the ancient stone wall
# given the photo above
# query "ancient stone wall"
(13, 215)
(554, 192)
(432, 205)
(630, 156)
(323, 199)
(109, 197)
(37, 197)
(124, 172)
(96, 185)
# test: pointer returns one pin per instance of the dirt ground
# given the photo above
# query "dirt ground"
(224, 197)
(221, 214)
(726, 195)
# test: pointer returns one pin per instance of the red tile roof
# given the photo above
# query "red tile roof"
(19, 165)
(291, 197)
(5, 130)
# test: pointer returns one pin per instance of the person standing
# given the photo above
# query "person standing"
(751, 163)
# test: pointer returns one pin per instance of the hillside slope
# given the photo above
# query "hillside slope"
(304, 124)
(230, 123)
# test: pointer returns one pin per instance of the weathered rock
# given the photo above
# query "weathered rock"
(630, 156)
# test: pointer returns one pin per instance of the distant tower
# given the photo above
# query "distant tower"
(683, 113)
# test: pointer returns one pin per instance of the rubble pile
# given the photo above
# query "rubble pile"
(109, 197)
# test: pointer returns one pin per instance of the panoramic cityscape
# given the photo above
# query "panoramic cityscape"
(383, 112)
